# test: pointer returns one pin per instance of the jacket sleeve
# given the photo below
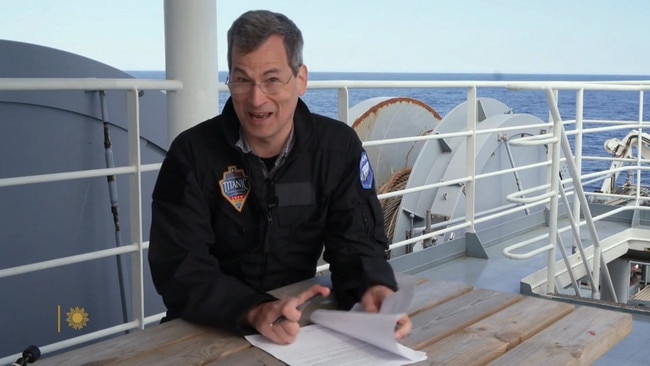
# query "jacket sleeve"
(355, 242)
(184, 272)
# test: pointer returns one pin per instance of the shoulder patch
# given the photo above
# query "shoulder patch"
(235, 187)
(366, 176)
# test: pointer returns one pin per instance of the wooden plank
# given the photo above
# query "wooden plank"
(404, 279)
(578, 339)
(449, 317)
(491, 337)
(433, 293)
(642, 297)
(643, 294)
(251, 356)
(209, 346)
(125, 346)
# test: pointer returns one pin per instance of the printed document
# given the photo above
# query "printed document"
(348, 337)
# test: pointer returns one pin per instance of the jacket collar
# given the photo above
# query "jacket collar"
(303, 125)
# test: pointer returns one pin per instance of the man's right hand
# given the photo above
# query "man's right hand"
(264, 317)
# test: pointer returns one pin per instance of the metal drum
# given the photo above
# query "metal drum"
(383, 118)
(444, 160)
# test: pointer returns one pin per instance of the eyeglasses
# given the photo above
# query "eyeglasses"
(270, 86)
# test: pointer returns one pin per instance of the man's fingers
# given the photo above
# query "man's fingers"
(313, 291)
(404, 327)
(283, 332)
(373, 298)
(281, 317)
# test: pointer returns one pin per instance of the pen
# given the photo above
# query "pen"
(300, 307)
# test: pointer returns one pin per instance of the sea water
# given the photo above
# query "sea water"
(598, 104)
(603, 105)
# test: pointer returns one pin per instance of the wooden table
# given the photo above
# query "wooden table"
(454, 323)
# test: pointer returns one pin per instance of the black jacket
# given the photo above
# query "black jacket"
(222, 235)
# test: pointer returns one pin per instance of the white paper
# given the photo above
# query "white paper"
(348, 338)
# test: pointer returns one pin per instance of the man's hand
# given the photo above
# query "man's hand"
(264, 317)
(371, 302)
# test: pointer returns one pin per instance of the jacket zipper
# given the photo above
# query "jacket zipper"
(269, 220)
(366, 227)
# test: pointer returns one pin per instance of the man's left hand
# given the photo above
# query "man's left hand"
(371, 302)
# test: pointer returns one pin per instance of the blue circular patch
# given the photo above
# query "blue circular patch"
(366, 175)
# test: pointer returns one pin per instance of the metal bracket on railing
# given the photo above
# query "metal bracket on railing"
(427, 229)
(409, 234)
(534, 140)
(508, 251)
(518, 197)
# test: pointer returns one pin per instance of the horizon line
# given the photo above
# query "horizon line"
(433, 73)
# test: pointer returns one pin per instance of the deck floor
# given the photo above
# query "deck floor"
(503, 274)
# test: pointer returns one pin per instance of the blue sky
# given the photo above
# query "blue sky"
(507, 36)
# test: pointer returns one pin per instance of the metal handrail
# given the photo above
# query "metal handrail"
(54, 84)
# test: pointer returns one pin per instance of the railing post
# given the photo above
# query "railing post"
(578, 153)
(135, 203)
(470, 160)
(344, 105)
(554, 199)
(639, 155)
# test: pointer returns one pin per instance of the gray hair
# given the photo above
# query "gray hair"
(254, 27)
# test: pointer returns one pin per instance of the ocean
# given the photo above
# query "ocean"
(597, 104)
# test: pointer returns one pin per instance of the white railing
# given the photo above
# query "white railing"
(134, 170)
(555, 191)
(471, 218)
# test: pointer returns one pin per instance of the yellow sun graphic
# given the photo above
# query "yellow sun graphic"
(77, 318)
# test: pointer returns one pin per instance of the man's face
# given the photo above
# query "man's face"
(266, 118)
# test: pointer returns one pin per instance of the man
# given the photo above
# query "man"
(246, 201)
